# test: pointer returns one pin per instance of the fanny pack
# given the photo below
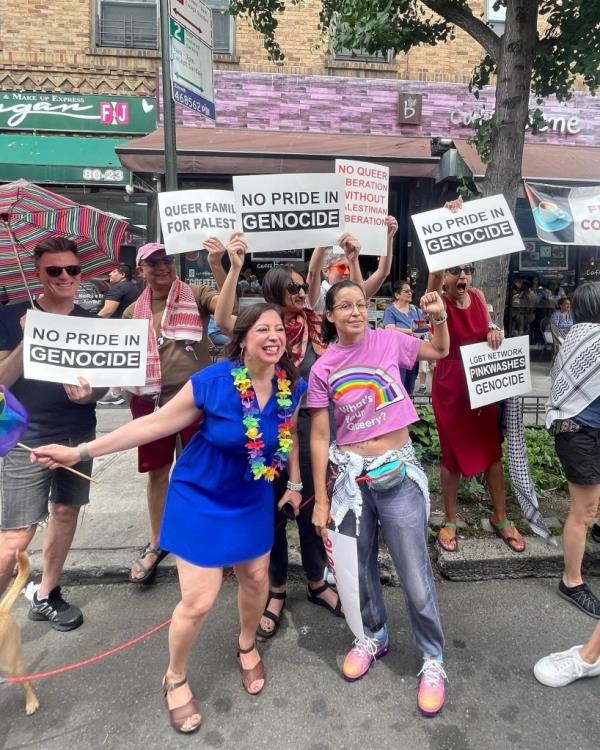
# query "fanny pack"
(385, 477)
(565, 425)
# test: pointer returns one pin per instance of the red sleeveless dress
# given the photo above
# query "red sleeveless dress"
(470, 438)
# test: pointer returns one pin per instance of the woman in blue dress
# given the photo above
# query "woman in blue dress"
(219, 508)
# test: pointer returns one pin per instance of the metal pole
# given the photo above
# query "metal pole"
(167, 100)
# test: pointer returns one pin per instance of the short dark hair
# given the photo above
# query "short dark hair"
(275, 283)
(328, 329)
(244, 322)
(125, 269)
(585, 305)
(398, 285)
(54, 245)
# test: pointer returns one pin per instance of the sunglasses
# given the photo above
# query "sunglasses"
(55, 271)
(167, 261)
(294, 288)
(340, 267)
(456, 270)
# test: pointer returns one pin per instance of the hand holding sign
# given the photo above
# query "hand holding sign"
(351, 247)
(79, 394)
(215, 248)
(392, 227)
(495, 337)
(236, 249)
(321, 517)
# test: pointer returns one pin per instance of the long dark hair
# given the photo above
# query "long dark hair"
(275, 283)
(328, 329)
(244, 322)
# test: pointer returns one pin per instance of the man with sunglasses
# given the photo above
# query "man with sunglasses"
(63, 414)
(179, 315)
(335, 266)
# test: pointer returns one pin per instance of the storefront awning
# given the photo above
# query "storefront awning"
(229, 151)
(61, 159)
(542, 161)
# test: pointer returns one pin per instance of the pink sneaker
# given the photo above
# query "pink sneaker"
(432, 690)
(362, 654)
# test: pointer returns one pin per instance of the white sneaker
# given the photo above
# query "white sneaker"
(563, 668)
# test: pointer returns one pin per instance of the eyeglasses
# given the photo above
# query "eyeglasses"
(349, 306)
(456, 270)
(407, 291)
(167, 261)
(55, 271)
(294, 288)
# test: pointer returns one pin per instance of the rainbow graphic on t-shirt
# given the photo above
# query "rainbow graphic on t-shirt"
(375, 380)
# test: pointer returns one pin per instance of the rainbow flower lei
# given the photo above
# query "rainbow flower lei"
(251, 422)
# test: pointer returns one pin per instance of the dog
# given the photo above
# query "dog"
(11, 654)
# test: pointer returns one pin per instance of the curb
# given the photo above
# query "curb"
(475, 560)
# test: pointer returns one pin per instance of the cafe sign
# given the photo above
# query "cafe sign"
(77, 113)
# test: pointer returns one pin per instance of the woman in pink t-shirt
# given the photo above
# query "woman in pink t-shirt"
(378, 480)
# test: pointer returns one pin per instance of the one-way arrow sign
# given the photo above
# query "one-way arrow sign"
(194, 16)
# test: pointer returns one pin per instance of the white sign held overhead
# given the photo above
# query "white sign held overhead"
(188, 217)
(481, 229)
(366, 203)
(289, 211)
(191, 71)
(194, 16)
(496, 374)
(59, 348)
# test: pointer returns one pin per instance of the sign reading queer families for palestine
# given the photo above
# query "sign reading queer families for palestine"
(496, 374)
(366, 197)
(289, 211)
(481, 229)
(59, 348)
(188, 217)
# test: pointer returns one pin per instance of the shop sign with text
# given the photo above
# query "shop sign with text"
(76, 113)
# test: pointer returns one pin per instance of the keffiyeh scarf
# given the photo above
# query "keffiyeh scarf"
(346, 493)
(180, 321)
(302, 329)
(575, 374)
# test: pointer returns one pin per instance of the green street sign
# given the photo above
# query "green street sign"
(77, 113)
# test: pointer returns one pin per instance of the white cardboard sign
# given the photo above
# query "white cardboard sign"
(366, 196)
(481, 229)
(496, 374)
(342, 558)
(289, 211)
(187, 217)
(59, 348)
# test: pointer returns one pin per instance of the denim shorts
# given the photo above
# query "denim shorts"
(26, 487)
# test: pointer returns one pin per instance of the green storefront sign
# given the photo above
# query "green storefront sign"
(77, 113)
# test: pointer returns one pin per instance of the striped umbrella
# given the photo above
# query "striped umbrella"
(30, 214)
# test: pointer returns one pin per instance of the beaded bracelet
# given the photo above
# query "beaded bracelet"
(295, 486)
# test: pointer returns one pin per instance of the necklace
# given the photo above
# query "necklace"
(251, 422)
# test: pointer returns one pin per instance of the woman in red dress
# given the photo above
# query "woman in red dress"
(470, 439)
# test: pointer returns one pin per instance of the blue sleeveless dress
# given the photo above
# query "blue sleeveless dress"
(216, 514)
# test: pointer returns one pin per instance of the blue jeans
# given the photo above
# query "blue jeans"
(401, 513)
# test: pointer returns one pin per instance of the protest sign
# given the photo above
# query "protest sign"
(366, 196)
(342, 558)
(187, 217)
(564, 215)
(289, 211)
(496, 374)
(481, 229)
(58, 348)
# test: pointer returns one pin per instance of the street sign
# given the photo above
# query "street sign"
(194, 16)
(191, 71)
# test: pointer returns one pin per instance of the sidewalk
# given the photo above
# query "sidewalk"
(113, 528)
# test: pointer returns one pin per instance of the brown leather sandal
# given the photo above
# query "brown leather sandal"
(250, 675)
(179, 715)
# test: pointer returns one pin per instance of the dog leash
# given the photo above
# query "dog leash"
(111, 651)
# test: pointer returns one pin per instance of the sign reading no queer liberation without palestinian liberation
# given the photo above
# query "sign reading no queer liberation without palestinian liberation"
(496, 374)
(481, 229)
(289, 211)
(59, 348)
(188, 217)
(366, 203)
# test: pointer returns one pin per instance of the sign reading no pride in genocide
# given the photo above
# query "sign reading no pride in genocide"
(496, 374)
(481, 229)
(188, 217)
(287, 212)
(59, 348)
(366, 203)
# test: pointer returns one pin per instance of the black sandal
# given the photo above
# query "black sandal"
(275, 619)
(150, 570)
(313, 595)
